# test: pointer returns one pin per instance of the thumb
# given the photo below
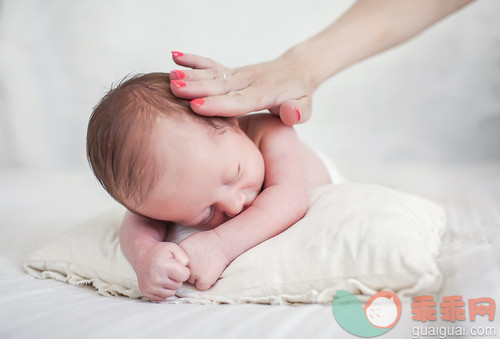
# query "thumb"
(296, 110)
(179, 254)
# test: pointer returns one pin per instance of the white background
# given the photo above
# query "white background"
(433, 99)
(423, 118)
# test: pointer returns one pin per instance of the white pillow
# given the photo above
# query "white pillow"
(355, 237)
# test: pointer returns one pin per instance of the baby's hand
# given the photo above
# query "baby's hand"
(206, 258)
(162, 270)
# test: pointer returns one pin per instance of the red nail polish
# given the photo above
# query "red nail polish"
(299, 115)
(178, 83)
(177, 54)
(198, 102)
(178, 74)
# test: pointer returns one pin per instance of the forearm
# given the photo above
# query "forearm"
(275, 210)
(160, 266)
(136, 235)
(367, 28)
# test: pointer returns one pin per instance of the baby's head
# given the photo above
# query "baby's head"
(148, 149)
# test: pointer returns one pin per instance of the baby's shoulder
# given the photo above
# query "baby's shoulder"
(260, 123)
(264, 126)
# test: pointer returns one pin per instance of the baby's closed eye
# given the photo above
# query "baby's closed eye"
(235, 175)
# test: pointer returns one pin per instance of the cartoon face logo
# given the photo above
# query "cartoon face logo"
(383, 309)
(379, 315)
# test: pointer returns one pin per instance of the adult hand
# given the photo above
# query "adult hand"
(281, 85)
(286, 84)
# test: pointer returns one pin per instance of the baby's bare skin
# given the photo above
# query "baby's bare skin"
(239, 187)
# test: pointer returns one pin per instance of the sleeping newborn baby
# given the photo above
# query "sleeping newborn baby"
(240, 181)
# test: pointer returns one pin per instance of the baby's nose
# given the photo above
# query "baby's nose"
(234, 204)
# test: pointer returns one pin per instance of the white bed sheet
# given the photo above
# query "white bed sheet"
(37, 206)
(435, 97)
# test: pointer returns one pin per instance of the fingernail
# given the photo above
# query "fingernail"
(177, 54)
(198, 102)
(178, 74)
(299, 115)
(178, 83)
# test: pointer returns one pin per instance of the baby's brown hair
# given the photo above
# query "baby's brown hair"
(119, 129)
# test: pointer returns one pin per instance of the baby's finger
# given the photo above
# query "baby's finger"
(163, 288)
(192, 280)
(194, 61)
(156, 293)
(171, 285)
(179, 255)
(160, 294)
(155, 297)
(295, 111)
(203, 284)
(178, 272)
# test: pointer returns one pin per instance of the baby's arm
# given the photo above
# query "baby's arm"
(284, 199)
(160, 266)
(282, 203)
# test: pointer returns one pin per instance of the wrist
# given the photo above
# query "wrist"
(300, 60)
(140, 255)
(225, 247)
(315, 62)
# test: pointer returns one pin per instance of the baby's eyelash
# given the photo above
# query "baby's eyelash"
(235, 178)
(238, 173)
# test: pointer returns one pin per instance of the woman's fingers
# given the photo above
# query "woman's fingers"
(234, 103)
(238, 103)
(194, 61)
(200, 74)
(296, 111)
(207, 101)
(216, 90)
(204, 88)
(202, 68)
(206, 78)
